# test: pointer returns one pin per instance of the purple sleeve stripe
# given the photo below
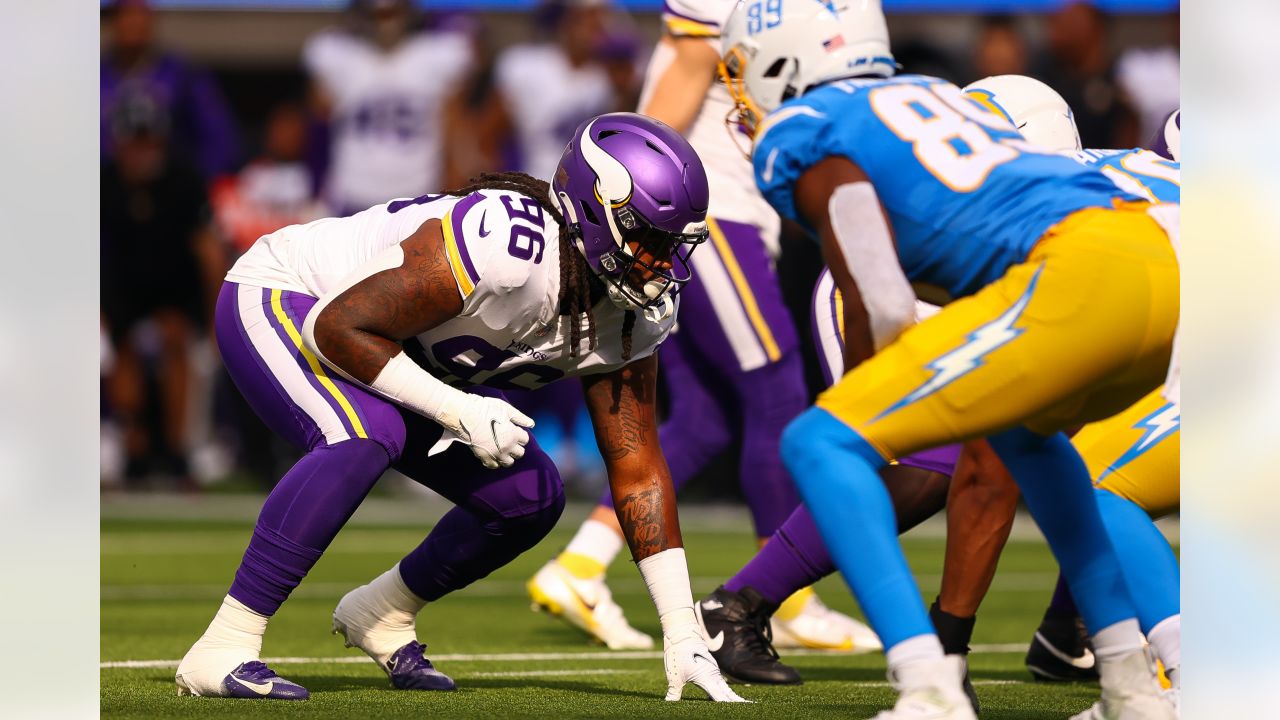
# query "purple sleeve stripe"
(668, 10)
(456, 216)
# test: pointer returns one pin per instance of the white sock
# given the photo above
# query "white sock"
(596, 541)
(920, 648)
(235, 626)
(1166, 638)
(1117, 640)
(390, 591)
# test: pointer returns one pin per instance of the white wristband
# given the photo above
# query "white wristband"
(667, 575)
(403, 381)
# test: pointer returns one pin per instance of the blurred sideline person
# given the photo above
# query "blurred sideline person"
(1132, 456)
(201, 126)
(543, 90)
(351, 336)
(159, 270)
(385, 89)
(733, 367)
(905, 179)
(1001, 49)
(274, 189)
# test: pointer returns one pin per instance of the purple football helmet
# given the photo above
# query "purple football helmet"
(626, 178)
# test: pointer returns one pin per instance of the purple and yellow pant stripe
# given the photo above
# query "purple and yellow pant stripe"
(259, 334)
(734, 306)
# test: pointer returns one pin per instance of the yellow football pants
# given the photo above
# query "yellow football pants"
(1077, 333)
(1135, 454)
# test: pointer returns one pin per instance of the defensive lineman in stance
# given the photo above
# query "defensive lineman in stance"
(350, 337)
(733, 364)
(905, 179)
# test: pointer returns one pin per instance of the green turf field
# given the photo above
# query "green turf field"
(162, 581)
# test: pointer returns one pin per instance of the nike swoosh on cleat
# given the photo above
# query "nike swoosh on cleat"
(483, 232)
(1084, 662)
(258, 688)
(715, 643)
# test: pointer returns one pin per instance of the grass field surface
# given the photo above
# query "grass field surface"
(162, 579)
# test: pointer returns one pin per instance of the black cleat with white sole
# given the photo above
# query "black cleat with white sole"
(740, 638)
(1060, 651)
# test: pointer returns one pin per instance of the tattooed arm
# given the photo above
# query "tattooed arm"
(623, 406)
(359, 330)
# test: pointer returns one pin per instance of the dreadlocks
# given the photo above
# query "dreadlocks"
(575, 275)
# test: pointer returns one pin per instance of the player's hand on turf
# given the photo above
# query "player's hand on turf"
(495, 431)
(689, 661)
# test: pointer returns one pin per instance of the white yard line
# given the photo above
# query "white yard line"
(521, 657)
(1004, 582)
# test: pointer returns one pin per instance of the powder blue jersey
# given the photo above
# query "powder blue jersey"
(1140, 172)
(966, 196)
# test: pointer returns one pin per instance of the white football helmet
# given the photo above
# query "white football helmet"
(1036, 109)
(774, 50)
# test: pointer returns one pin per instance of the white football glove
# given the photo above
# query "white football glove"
(493, 429)
(689, 661)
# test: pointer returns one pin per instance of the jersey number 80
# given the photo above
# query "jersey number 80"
(944, 130)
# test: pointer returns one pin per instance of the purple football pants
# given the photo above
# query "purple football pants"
(733, 370)
(350, 437)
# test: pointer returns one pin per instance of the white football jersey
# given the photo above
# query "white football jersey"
(505, 254)
(547, 99)
(387, 112)
(734, 195)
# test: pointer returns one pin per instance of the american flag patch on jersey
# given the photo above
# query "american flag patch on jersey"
(833, 44)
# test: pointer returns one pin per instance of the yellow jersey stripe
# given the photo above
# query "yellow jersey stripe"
(684, 27)
(744, 291)
(314, 363)
(465, 286)
(838, 300)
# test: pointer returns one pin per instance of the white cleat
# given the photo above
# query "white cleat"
(585, 604)
(372, 626)
(818, 626)
(930, 690)
(1130, 691)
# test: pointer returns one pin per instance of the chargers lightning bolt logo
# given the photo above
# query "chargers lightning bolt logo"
(1157, 426)
(969, 356)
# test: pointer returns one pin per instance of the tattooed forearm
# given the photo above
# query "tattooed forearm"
(628, 432)
(359, 330)
(622, 408)
(648, 519)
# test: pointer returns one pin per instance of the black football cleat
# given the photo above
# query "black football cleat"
(740, 639)
(1060, 651)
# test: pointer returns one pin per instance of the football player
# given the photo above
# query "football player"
(386, 339)
(733, 365)
(905, 179)
(1132, 456)
(384, 89)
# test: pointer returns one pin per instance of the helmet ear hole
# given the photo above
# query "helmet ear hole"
(775, 69)
(587, 213)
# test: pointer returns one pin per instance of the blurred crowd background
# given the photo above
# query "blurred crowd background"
(225, 120)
